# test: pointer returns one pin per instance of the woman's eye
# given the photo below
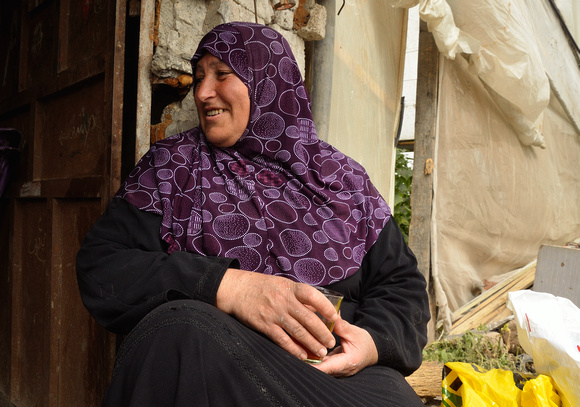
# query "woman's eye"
(224, 73)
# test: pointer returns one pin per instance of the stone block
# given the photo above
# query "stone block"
(179, 31)
(315, 28)
(238, 10)
(183, 114)
(166, 64)
(284, 18)
(263, 7)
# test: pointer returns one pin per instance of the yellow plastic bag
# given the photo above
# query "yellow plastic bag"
(466, 384)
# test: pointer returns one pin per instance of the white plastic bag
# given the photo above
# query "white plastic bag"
(549, 331)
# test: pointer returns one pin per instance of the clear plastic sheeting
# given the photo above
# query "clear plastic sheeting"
(495, 200)
(497, 39)
(494, 36)
(509, 80)
(570, 12)
(560, 57)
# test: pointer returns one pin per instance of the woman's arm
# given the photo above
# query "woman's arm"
(394, 305)
(388, 325)
(124, 271)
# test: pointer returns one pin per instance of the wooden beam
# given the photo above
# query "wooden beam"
(426, 381)
(425, 132)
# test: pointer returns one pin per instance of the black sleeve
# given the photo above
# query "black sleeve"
(388, 298)
(124, 271)
(395, 304)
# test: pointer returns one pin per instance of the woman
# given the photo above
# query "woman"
(208, 253)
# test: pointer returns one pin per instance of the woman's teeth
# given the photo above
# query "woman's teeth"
(214, 112)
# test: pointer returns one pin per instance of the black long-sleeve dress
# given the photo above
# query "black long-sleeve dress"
(181, 350)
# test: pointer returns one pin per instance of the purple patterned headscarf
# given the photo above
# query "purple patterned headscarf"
(280, 200)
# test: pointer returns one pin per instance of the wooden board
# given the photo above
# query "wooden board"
(490, 307)
(559, 272)
(62, 88)
(427, 380)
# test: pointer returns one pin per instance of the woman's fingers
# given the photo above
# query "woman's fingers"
(317, 303)
(356, 352)
(286, 312)
(308, 340)
(306, 329)
(311, 297)
(281, 338)
(280, 308)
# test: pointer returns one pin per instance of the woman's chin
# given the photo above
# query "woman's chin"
(221, 141)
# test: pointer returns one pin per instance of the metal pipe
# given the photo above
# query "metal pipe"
(143, 125)
(322, 66)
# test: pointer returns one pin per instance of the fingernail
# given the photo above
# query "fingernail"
(322, 352)
(302, 356)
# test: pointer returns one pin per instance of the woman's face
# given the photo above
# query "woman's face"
(222, 101)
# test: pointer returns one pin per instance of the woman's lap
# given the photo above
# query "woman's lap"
(188, 353)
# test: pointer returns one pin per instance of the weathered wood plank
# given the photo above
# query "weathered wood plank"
(425, 131)
(427, 380)
(490, 306)
(559, 272)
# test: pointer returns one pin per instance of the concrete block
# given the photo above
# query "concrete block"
(241, 10)
(179, 32)
(558, 272)
(166, 64)
(308, 4)
(183, 114)
(284, 18)
(315, 29)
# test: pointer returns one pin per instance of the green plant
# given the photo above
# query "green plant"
(472, 348)
(403, 180)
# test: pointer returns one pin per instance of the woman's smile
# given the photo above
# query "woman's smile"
(214, 112)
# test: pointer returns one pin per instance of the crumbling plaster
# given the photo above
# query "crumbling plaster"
(180, 25)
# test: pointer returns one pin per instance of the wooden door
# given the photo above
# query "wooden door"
(61, 82)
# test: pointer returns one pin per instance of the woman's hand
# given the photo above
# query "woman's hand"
(280, 308)
(357, 350)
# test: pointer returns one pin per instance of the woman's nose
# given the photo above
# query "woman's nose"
(205, 89)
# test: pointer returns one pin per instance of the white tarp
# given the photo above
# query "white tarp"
(509, 81)
(495, 200)
(570, 11)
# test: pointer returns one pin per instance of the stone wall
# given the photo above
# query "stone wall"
(180, 25)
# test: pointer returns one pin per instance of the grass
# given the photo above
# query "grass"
(477, 348)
